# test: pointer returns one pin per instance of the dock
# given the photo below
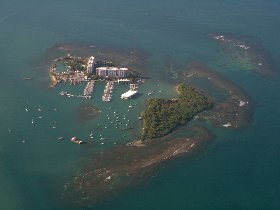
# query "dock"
(69, 95)
(89, 88)
(107, 96)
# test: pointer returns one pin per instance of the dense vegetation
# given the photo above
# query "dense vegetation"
(75, 63)
(162, 116)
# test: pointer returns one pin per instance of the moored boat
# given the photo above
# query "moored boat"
(76, 140)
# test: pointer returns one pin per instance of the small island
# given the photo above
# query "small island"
(78, 69)
(163, 116)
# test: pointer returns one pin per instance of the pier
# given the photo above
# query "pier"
(69, 95)
(89, 88)
(107, 96)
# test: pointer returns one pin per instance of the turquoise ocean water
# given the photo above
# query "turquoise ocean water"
(239, 170)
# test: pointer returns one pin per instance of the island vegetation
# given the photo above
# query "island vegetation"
(162, 116)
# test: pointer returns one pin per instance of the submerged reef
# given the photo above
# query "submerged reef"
(247, 55)
(232, 107)
(87, 112)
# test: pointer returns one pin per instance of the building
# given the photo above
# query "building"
(90, 64)
(111, 72)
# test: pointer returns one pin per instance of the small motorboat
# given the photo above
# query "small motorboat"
(60, 138)
(76, 140)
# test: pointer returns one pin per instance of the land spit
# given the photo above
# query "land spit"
(128, 165)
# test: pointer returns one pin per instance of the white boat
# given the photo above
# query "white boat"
(26, 110)
(128, 94)
(242, 103)
(60, 138)
(76, 140)
(32, 121)
(227, 125)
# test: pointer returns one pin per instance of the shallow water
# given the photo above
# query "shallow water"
(239, 170)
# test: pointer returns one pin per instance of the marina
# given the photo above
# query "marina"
(107, 93)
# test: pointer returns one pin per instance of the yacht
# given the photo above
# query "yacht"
(227, 125)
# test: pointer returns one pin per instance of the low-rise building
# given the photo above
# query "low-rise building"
(112, 71)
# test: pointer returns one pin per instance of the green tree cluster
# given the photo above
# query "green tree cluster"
(162, 116)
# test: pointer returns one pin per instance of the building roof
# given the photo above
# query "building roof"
(111, 68)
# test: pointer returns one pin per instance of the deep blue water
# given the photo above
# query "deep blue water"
(239, 170)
